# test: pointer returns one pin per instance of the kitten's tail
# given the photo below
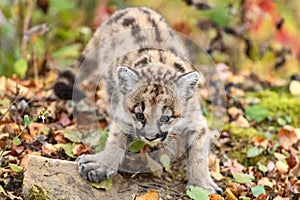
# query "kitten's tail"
(64, 87)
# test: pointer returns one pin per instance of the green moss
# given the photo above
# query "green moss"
(37, 192)
(238, 132)
(244, 160)
(279, 105)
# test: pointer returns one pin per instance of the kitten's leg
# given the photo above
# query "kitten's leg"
(198, 170)
(100, 166)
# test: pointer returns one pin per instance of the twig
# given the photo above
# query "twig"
(26, 27)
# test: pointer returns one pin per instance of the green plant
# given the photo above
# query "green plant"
(16, 140)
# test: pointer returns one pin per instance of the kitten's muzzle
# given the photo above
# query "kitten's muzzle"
(158, 137)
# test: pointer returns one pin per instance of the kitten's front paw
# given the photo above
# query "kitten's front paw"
(209, 185)
(94, 168)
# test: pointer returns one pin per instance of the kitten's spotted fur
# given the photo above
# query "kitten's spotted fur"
(154, 92)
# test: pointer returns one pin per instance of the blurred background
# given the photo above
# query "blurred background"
(255, 36)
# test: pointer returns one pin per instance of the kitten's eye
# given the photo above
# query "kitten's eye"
(140, 116)
(164, 118)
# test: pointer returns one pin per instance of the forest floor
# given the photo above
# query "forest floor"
(256, 155)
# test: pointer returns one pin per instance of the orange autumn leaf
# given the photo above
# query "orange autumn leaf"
(215, 197)
(150, 195)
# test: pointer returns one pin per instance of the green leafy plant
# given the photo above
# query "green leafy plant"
(257, 113)
(16, 140)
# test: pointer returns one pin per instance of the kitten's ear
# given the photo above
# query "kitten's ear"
(187, 84)
(128, 78)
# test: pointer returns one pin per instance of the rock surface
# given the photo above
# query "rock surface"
(59, 179)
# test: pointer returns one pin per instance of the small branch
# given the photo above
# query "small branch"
(25, 28)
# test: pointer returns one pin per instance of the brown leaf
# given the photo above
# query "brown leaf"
(241, 122)
(59, 137)
(259, 141)
(17, 149)
(214, 165)
(234, 111)
(281, 167)
(262, 197)
(234, 188)
(49, 149)
(265, 182)
(234, 165)
(287, 137)
(64, 119)
(230, 195)
(79, 149)
(38, 128)
(291, 160)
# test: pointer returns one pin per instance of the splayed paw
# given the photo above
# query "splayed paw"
(96, 168)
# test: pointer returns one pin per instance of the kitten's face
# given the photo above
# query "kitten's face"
(155, 106)
(154, 109)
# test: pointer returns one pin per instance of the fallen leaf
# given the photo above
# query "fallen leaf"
(256, 112)
(265, 182)
(215, 197)
(260, 141)
(241, 122)
(15, 167)
(165, 161)
(73, 136)
(257, 190)
(281, 167)
(234, 165)
(234, 111)
(214, 166)
(105, 184)
(291, 160)
(234, 188)
(64, 119)
(281, 198)
(79, 149)
(287, 137)
(262, 167)
(242, 178)
(198, 193)
(36, 128)
(270, 166)
(254, 151)
(150, 195)
(136, 146)
(49, 148)
(68, 149)
(230, 195)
